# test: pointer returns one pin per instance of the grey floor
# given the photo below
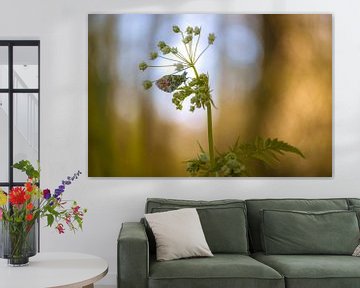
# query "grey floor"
(104, 286)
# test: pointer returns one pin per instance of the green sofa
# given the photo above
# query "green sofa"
(234, 230)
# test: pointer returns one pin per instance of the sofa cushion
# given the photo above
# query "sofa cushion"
(297, 232)
(254, 207)
(353, 201)
(356, 209)
(313, 271)
(354, 205)
(223, 221)
(222, 270)
(178, 234)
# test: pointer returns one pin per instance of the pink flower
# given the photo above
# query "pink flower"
(76, 210)
(60, 228)
(68, 219)
(1, 213)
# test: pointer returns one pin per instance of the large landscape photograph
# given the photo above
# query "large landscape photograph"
(210, 95)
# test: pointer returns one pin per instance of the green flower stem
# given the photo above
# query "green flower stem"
(182, 57)
(170, 59)
(196, 46)
(210, 136)
(201, 54)
(157, 66)
(190, 50)
(186, 47)
(210, 130)
(18, 238)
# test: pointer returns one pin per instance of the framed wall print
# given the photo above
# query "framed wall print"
(210, 95)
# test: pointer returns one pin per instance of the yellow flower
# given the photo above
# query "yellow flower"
(3, 198)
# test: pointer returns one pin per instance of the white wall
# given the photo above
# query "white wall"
(62, 28)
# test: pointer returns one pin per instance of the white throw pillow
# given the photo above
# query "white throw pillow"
(357, 251)
(178, 234)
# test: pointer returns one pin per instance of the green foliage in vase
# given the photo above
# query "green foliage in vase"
(239, 159)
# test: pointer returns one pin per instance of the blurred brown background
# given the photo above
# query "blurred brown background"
(271, 76)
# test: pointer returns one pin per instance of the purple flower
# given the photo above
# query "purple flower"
(46, 194)
(68, 181)
(58, 192)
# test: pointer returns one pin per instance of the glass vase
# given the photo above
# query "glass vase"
(18, 242)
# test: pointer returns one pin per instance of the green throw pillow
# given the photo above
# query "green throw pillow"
(224, 222)
(357, 210)
(225, 229)
(299, 232)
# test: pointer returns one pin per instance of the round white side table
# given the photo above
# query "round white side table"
(50, 270)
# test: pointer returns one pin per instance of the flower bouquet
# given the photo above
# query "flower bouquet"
(21, 208)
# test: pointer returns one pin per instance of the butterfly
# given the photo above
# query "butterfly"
(169, 83)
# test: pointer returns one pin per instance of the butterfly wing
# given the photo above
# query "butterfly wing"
(169, 83)
(164, 83)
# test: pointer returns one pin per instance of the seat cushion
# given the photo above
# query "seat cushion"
(222, 270)
(223, 221)
(254, 216)
(315, 271)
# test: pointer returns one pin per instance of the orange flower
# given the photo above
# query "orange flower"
(29, 206)
(27, 196)
(29, 187)
(29, 217)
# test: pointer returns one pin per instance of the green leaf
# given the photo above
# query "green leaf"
(26, 167)
(79, 221)
(52, 211)
(265, 158)
(201, 148)
(50, 219)
(238, 161)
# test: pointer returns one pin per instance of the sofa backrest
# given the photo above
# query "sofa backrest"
(256, 205)
(223, 221)
(353, 202)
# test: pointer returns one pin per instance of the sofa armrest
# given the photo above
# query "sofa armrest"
(133, 256)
